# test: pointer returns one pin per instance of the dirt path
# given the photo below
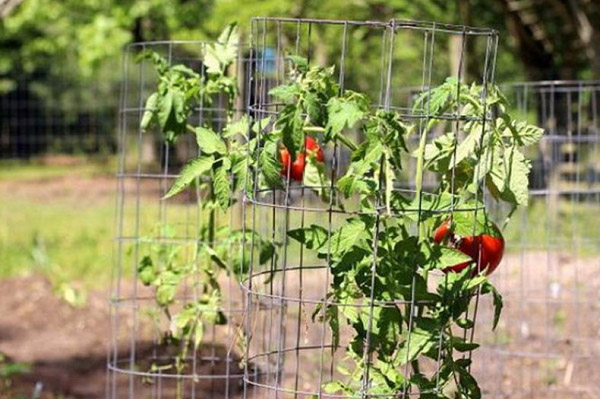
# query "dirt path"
(65, 346)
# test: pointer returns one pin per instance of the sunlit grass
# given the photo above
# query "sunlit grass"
(40, 169)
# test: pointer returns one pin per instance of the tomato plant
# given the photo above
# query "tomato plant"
(382, 256)
(217, 174)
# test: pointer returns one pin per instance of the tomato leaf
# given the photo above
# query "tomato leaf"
(222, 185)
(209, 141)
(191, 171)
(415, 343)
(270, 165)
(149, 111)
(497, 300)
(346, 237)
(313, 237)
(344, 112)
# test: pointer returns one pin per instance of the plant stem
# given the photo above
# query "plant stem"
(419, 175)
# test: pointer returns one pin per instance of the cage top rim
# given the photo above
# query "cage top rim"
(553, 83)
(394, 23)
(204, 42)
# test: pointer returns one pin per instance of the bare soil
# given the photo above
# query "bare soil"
(65, 346)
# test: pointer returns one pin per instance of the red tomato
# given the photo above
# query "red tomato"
(485, 249)
(313, 147)
(297, 168)
(442, 232)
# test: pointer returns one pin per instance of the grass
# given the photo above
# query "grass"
(59, 239)
(41, 169)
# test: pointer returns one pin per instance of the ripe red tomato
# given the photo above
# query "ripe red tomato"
(485, 249)
(442, 232)
(313, 147)
(297, 167)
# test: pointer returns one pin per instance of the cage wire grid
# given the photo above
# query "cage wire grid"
(548, 343)
(140, 360)
(293, 352)
(34, 123)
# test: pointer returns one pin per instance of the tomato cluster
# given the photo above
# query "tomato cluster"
(485, 249)
(296, 169)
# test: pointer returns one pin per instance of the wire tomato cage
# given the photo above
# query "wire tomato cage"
(353, 302)
(547, 344)
(176, 306)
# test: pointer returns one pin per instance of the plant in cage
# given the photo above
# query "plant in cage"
(215, 176)
(387, 259)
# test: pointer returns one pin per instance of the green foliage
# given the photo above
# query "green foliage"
(377, 256)
(218, 173)
(495, 158)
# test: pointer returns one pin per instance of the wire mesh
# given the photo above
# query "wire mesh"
(290, 342)
(548, 343)
(34, 121)
(150, 355)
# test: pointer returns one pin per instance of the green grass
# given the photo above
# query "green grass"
(59, 239)
(562, 224)
(37, 169)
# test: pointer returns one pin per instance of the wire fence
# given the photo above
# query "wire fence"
(547, 344)
(40, 118)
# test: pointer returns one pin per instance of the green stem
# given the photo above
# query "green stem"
(346, 141)
(419, 176)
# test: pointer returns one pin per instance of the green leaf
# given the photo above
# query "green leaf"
(214, 256)
(498, 302)
(334, 387)
(299, 62)
(449, 257)
(313, 237)
(267, 251)
(346, 237)
(165, 294)
(465, 323)
(146, 272)
(285, 93)
(468, 146)
(198, 333)
(240, 127)
(165, 107)
(221, 185)
(149, 111)
(467, 382)
(179, 106)
(209, 141)
(475, 282)
(509, 175)
(270, 165)
(461, 345)
(343, 113)
(218, 56)
(291, 123)
(191, 171)
(522, 133)
(415, 343)
(315, 177)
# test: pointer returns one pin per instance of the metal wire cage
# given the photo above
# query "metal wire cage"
(289, 339)
(548, 343)
(160, 280)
